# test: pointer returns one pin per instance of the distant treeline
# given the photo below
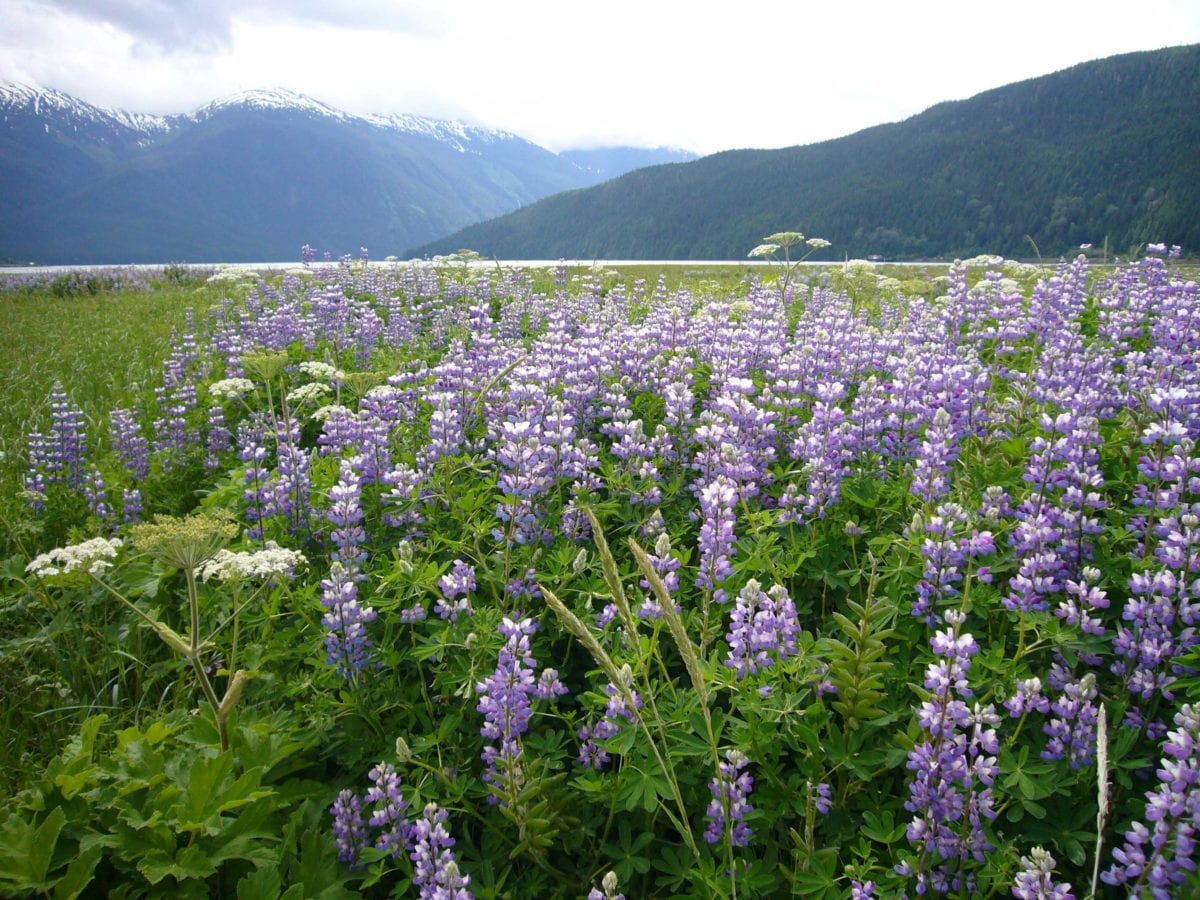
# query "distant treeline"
(1107, 151)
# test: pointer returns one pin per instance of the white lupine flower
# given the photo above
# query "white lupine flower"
(272, 562)
(313, 392)
(95, 556)
(231, 388)
(321, 371)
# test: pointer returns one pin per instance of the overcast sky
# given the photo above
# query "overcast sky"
(705, 76)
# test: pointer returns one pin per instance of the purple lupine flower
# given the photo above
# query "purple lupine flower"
(130, 445)
(345, 621)
(58, 456)
(591, 754)
(1027, 698)
(525, 468)
(220, 438)
(995, 505)
(607, 890)
(1162, 612)
(172, 435)
(410, 615)
(345, 513)
(388, 814)
(373, 447)
(1035, 881)
(1072, 730)
(947, 551)
(506, 707)
(455, 584)
(131, 506)
(823, 797)
(605, 617)
(1081, 599)
(729, 806)
(1160, 855)
(953, 769)
(717, 502)
(259, 498)
(435, 870)
(935, 457)
(1054, 522)
(549, 685)
(862, 890)
(522, 586)
(823, 448)
(96, 494)
(404, 498)
(763, 625)
(349, 827)
(293, 482)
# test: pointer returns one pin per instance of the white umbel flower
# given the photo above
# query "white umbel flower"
(271, 562)
(231, 388)
(313, 392)
(92, 556)
(321, 371)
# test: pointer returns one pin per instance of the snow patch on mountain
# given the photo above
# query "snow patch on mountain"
(51, 104)
(453, 133)
(273, 99)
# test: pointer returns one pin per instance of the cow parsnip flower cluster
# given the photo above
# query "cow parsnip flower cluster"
(92, 556)
(231, 388)
(313, 392)
(272, 562)
(321, 371)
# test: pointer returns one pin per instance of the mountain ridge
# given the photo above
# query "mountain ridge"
(265, 171)
(1108, 148)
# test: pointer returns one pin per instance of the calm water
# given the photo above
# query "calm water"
(266, 267)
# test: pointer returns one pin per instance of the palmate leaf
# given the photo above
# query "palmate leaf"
(212, 791)
(78, 875)
(190, 862)
(26, 851)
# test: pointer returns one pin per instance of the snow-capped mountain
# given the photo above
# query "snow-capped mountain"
(52, 109)
(278, 99)
(254, 176)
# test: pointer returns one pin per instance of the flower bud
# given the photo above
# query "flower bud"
(403, 751)
(662, 545)
(609, 883)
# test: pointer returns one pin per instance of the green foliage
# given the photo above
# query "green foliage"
(156, 809)
(857, 667)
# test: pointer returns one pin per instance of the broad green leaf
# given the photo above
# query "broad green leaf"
(78, 875)
(191, 862)
(260, 884)
(41, 848)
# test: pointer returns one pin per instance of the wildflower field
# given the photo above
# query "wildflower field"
(448, 581)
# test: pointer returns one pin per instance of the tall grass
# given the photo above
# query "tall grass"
(106, 350)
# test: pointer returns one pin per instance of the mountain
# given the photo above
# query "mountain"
(611, 162)
(1108, 149)
(253, 177)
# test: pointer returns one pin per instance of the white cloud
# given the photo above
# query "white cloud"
(568, 74)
